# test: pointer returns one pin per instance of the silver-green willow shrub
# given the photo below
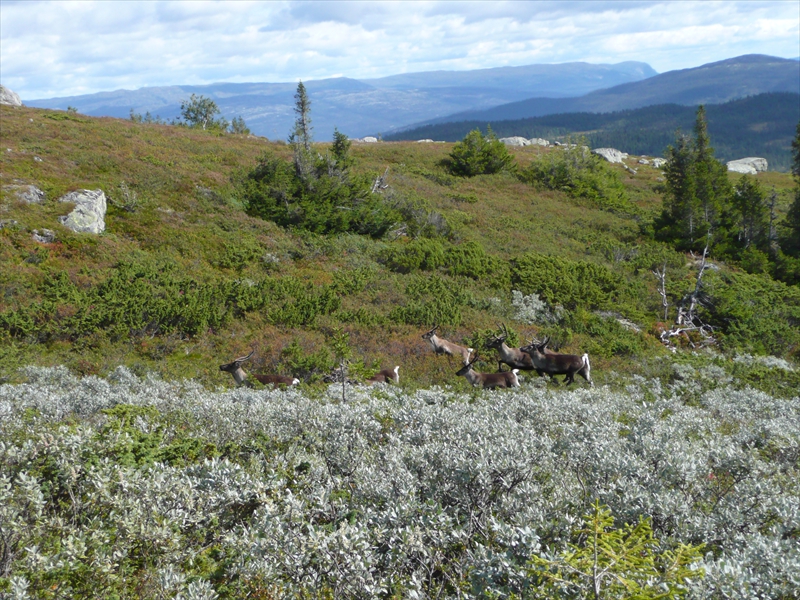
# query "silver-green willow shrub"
(236, 493)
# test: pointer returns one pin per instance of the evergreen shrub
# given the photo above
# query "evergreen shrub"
(566, 282)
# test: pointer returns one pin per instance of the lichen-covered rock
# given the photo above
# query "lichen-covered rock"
(515, 140)
(29, 194)
(89, 213)
(9, 97)
(45, 236)
(612, 155)
(750, 165)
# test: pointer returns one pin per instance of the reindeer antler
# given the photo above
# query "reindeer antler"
(244, 358)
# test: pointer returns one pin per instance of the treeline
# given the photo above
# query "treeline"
(761, 125)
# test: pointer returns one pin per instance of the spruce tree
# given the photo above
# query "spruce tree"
(697, 198)
(300, 138)
(790, 244)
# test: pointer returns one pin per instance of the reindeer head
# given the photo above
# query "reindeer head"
(498, 340)
(430, 334)
(467, 367)
(236, 364)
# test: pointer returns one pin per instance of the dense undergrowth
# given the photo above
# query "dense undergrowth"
(127, 488)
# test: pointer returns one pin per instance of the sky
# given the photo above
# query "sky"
(67, 48)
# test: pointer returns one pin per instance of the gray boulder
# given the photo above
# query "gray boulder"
(515, 141)
(750, 165)
(659, 162)
(29, 194)
(89, 213)
(45, 236)
(9, 97)
(538, 142)
(612, 155)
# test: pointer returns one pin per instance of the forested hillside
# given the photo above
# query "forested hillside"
(761, 125)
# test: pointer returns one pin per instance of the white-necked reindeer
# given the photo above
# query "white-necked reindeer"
(506, 379)
(442, 346)
(235, 369)
(385, 375)
(558, 364)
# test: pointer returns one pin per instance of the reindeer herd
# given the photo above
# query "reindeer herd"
(533, 357)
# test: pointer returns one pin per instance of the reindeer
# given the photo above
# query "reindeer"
(558, 364)
(235, 369)
(506, 379)
(513, 357)
(441, 346)
(385, 375)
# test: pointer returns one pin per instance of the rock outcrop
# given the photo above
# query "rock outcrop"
(515, 141)
(9, 97)
(612, 155)
(29, 194)
(539, 142)
(749, 166)
(89, 213)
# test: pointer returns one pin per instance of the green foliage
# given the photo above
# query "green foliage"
(607, 562)
(200, 112)
(580, 174)
(569, 283)
(756, 313)
(477, 154)
(328, 199)
(418, 254)
(470, 260)
(698, 195)
(239, 127)
(432, 299)
(790, 240)
(307, 363)
(143, 297)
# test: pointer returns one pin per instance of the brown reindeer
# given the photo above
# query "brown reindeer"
(442, 346)
(385, 375)
(235, 369)
(558, 364)
(513, 357)
(506, 379)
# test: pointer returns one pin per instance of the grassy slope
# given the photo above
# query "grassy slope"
(187, 212)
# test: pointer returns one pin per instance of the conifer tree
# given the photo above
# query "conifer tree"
(300, 138)
(791, 240)
(698, 194)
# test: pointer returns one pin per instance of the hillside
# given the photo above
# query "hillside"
(761, 125)
(184, 280)
(356, 107)
(713, 83)
(133, 467)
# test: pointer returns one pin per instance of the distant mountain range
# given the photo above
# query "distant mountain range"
(713, 83)
(366, 107)
(390, 104)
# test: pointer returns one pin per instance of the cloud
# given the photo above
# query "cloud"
(64, 48)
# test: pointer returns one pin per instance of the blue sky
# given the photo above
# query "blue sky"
(66, 48)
